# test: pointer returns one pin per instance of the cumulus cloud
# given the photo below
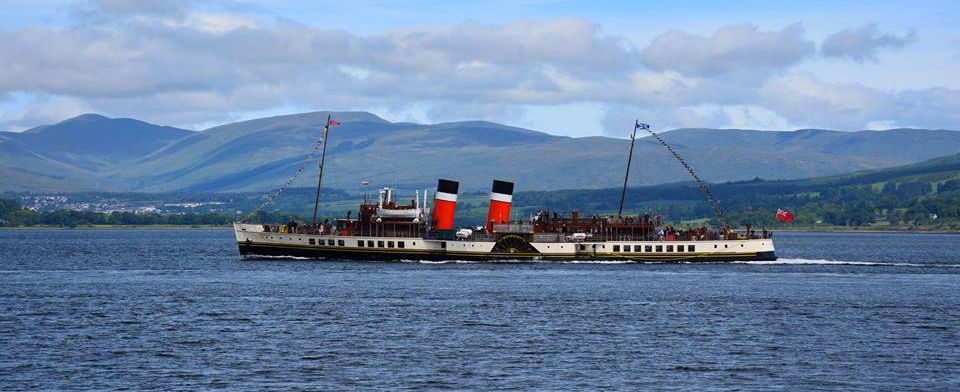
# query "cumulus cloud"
(929, 108)
(862, 44)
(185, 66)
(737, 48)
(215, 61)
(803, 99)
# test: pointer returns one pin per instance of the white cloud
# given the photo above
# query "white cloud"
(206, 62)
(186, 67)
(42, 110)
(862, 44)
(801, 98)
(736, 49)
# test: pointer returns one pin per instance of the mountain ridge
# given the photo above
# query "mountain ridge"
(258, 154)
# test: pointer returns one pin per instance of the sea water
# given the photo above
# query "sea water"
(178, 309)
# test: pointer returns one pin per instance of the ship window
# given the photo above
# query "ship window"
(330, 242)
(648, 248)
(414, 243)
(340, 242)
(616, 248)
(583, 247)
(389, 244)
(379, 244)
(659, 248)
(691, 248)
(369, 244)
(400, 244)
(360, 243)
(443, 245)
(679, 248)
(313, 241)
(669, 248)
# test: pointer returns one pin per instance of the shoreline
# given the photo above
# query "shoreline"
(121, 227)
(877, 231)
(227, 227)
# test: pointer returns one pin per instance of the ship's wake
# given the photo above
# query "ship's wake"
(786, 261)
(781, 261)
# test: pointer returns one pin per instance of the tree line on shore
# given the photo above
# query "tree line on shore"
(912, 203)
(13, 215)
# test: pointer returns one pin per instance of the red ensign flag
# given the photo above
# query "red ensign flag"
(784, 216)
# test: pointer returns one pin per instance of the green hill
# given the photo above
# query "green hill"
(96, 153)
(923, 194)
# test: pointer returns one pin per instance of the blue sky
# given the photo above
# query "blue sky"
(564, 67)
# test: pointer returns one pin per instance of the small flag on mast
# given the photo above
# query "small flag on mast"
(333, 122)
(643, 126)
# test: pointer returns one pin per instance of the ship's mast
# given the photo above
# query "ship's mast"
(323, 156)
(633, 138)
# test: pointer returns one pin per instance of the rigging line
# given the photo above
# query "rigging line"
(270, 199)
(702, 185)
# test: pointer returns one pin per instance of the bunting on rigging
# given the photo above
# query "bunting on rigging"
(702, 185)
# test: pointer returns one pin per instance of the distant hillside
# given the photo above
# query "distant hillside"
(95, 153)
(925, 194)
(78, 153)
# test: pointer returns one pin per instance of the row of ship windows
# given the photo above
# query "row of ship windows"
(650, 248)
(659, 248)
(362, 243)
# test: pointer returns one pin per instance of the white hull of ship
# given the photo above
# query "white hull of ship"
(254, 242)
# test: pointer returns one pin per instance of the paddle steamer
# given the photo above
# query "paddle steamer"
(387, 230)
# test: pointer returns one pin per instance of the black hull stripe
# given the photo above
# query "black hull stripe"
(253, 250)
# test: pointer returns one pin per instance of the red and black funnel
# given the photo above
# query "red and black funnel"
(445, 204)
(501, 197)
